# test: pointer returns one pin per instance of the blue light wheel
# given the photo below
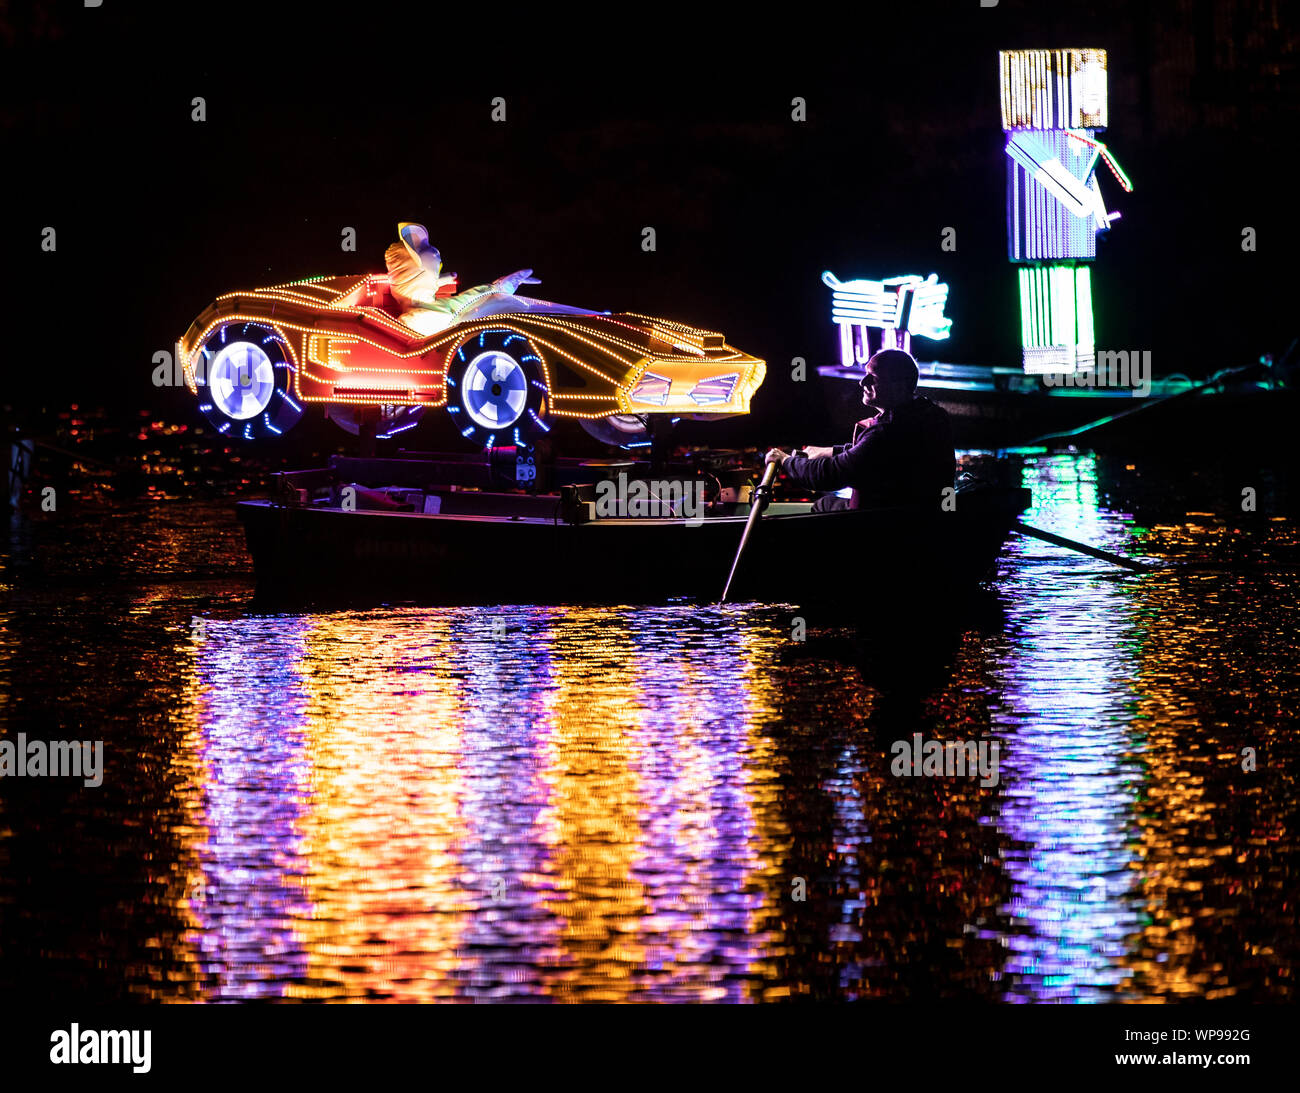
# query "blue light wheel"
(393, 419)
(244, 376)
(495, 390)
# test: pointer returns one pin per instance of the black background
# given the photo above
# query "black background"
(620, 117)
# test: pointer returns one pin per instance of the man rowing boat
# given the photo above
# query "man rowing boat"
(900, 454)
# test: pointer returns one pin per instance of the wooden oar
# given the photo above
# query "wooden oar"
(1082, 548)
(761, 497)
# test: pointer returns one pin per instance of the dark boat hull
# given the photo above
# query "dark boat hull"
(848, 560)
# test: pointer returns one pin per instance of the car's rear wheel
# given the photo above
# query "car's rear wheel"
(496, 391)
(393, 419)
(244, 379)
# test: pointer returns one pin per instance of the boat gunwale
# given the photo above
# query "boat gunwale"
(1006, 512)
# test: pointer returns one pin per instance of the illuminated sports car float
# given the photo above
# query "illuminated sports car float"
(506, 369)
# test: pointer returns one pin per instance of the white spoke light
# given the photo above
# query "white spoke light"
(241, 380)
(494, 390)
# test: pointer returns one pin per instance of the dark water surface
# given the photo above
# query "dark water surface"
(624, 803)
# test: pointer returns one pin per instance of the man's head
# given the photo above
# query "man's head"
(889, 380)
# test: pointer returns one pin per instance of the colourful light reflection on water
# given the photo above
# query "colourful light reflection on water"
(1069, 716)
(615, 804)
(461, 814)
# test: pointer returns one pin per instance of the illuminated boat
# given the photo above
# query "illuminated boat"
(466, 544)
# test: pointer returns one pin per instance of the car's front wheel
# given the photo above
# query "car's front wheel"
(244, 380)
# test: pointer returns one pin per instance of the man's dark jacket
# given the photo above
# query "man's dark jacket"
(901, 457)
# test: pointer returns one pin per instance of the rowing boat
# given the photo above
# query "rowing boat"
(478, 546)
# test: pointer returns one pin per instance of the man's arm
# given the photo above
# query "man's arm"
(839, 449)
(847, 467)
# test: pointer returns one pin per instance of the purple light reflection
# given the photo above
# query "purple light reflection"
(1068, 790)
(252, 748)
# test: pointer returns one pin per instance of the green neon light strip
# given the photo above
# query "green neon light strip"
(1027, 304)
(1045, 307)
(1036, 330)
(1024, 306)
(1083, 294)
(1051, 302)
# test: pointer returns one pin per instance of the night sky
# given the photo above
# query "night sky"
(626, 117)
